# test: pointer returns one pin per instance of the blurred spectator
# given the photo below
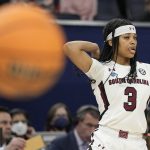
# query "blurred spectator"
(5, 125)
(86, 122)
(20, 124)
(146, 16)
(6, 140)
(85, 9)
(59, 118)
(46, 4)
(122, 6)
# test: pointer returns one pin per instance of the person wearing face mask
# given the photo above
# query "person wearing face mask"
(60, 123)
(20, 128)
(20, 124)
(59, 118)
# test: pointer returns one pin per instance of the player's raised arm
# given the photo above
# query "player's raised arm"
(77, 51)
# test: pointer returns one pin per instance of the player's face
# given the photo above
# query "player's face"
(126, 48)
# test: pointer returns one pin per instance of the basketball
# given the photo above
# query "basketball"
(31, 56)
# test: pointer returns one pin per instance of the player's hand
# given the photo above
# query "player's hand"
(16, 144)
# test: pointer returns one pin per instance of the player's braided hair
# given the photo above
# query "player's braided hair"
(108, 52)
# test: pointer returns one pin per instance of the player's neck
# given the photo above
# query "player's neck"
(125, 62)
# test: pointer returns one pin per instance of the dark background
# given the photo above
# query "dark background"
(72, 89)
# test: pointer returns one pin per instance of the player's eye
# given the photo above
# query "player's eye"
(135, 37)
(126, 37)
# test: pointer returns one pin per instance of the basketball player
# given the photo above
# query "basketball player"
(120, 84)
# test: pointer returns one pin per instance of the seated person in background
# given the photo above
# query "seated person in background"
(87, 119)
(20, 124)
(7, 142)
(85, 9)
(59, 118)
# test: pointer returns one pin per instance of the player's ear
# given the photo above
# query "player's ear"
(110, 42)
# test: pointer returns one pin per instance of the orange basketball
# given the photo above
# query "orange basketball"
(31, 56)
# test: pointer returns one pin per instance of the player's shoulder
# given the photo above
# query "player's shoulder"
(143, 66)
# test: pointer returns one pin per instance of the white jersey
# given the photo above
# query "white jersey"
(121, 101)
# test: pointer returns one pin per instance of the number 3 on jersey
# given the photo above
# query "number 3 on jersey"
(131, 92)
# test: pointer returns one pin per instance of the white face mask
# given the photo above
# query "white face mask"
(19, 128)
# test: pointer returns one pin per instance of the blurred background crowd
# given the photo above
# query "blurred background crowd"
(135, 10)
(62, 130)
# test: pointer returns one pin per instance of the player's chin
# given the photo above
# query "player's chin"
(131, 55)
